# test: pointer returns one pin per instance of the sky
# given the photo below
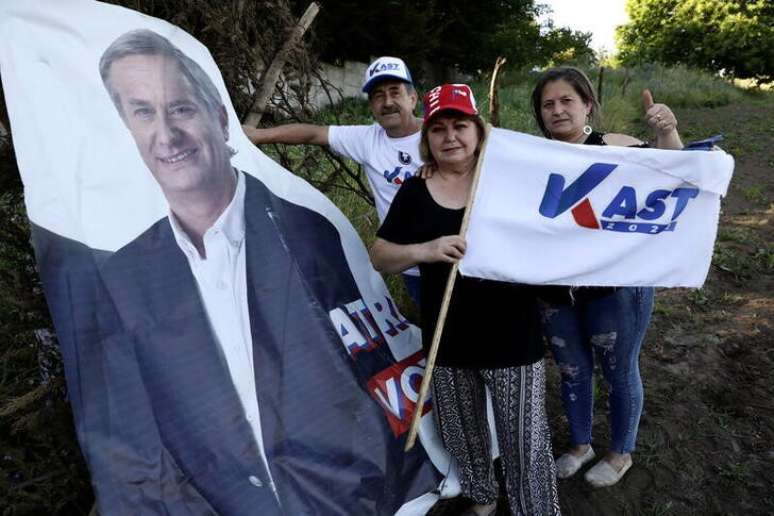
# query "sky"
(600, 17)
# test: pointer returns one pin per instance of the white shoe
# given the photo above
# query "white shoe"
(603, 474)
(568, 464)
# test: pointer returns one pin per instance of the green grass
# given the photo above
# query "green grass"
(743, 263)
(661, 509)
(678, 87)
(734, 472)
(754, 194)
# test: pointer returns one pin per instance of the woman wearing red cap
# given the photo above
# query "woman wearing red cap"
(492, 336)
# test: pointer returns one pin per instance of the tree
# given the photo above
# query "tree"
(566, 46)
(735, 37)
(435, 37)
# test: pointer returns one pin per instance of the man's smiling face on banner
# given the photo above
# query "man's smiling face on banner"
(181, 141)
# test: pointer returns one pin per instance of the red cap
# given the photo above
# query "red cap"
(457, 97)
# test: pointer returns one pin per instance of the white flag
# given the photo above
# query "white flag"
(548, 212)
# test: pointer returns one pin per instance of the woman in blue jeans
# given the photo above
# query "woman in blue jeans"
(603, 323)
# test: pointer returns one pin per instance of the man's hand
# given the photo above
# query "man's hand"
(449, 249)
(427, 170)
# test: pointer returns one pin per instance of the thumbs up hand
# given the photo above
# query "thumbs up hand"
(658, 116)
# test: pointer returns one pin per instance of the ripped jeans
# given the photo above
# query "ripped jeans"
(610, 328)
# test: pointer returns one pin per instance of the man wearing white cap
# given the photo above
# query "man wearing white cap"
(388, 150)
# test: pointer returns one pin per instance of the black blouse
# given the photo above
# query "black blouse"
(490, 324)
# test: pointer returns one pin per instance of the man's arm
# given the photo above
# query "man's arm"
(290, 133)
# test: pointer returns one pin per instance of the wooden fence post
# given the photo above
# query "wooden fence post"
(599, 84)
(627, 78)
(494, 103)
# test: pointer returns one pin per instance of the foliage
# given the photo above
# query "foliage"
(349, 29)
(735, 37)
(243, 37)
(437, 38)
(40, 461)
(563, 45)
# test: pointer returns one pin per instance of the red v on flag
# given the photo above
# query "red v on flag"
(557, 199)
(584, 215)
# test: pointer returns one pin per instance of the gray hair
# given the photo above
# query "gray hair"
(145, 42)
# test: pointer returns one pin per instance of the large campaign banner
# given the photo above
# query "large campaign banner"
(228, 347)
(548, 212)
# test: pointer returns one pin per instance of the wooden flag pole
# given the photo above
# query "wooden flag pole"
(414, 429)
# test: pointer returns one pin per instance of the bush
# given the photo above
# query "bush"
(731, 36)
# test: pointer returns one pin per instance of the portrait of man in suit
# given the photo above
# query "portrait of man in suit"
(230, 391)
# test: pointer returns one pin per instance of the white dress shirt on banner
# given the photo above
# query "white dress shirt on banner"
(222, 283)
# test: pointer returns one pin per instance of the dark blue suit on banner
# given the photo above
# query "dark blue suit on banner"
(157, 415)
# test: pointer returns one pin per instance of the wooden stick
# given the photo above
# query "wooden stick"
(494, 104)
(414, 429)
(625, 82)
(599, 84)
(271, 76)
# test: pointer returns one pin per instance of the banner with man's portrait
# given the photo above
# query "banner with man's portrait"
(228, 347)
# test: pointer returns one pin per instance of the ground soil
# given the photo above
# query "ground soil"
(706, 439)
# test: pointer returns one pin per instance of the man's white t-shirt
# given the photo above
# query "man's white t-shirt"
(388, 162)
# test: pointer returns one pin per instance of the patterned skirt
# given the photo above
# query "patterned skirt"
(523, 436)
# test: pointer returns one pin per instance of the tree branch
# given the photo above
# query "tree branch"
(494, 103)
(271, 75)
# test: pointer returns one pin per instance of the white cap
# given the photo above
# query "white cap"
(385, 68)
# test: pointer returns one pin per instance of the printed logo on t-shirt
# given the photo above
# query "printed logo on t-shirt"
(395, 176)
(404, 157)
